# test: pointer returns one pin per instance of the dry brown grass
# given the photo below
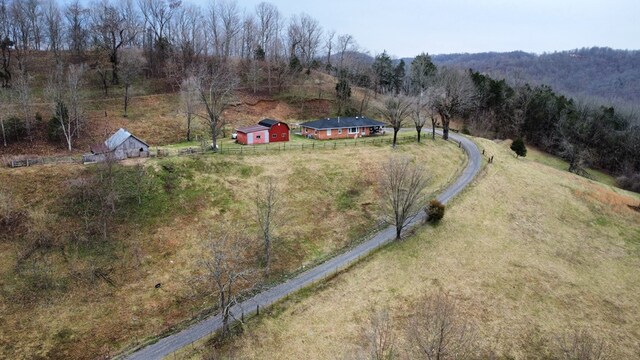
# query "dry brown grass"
(529, 253)
(93, 319)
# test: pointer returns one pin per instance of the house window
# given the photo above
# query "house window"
(274, 135)
(328, 132)
(257, 136)
(353, 130)
(339, 131)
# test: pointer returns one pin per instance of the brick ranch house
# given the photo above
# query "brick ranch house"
(341, 128)
(278, 130)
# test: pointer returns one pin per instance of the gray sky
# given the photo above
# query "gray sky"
(409, 27)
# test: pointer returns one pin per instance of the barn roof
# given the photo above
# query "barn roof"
(270, 122)
(118, 138)
(335, 123)
(250, 129)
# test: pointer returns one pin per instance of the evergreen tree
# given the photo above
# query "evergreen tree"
(518, 147)
(422, 72)
(398, 76)
(383, 68)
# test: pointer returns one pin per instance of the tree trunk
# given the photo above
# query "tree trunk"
(445, 128)
(189, 127)
(419, 131)
(267, 252)
(395, 136)
(225, 314)
(126, 99)
(4, 136)
(398, 232)
(214, 138)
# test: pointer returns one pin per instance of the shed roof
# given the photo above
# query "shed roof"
(250, 129)
(119, 137)
(100, 148)
(335, 123)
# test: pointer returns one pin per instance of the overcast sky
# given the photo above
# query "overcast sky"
(408, 27)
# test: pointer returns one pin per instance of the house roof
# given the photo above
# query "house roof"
(335, 123)
(270, 122)
(250, 129)
(118, 138)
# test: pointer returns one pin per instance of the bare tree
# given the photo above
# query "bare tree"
(132, 62)
(77, 26)
(188, 36)
(5, 103)
(112, 30)
(452, 95)
(305, 35)
(75, 96)
(189, 99)
(419, 114)
(395, 111)
(438, 332)
(67, 98)
(329, 45)
(157, 19)
(267, 202)
(215, 87)
(224, 264)
(402, 183)
(23, 91)
(378, 337)
(53, 20)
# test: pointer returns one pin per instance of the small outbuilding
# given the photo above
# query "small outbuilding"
(252, 135)
(278, 130)
(340, 128)
(120, 145)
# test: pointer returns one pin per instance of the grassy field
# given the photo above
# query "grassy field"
(57, 302)
(529, 253)
(558, 163)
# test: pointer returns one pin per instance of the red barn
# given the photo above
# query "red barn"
(278, 131)
(252, 135)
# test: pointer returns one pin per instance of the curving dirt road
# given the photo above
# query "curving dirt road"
(174, 342)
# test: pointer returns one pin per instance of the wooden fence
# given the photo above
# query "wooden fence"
(31, 161)
(222, 149)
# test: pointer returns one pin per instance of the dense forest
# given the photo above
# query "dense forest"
(601, 73)
(68, 54)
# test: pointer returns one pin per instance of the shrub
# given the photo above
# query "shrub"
(518, 147)
(434, 211)
(631, 182)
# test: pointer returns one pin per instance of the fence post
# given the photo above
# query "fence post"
(334, 145)
(313, 145)
(257, 309)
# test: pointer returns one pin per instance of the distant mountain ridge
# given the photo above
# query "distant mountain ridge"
(604, 74)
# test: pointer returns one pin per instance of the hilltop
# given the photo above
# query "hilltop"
(603, 74)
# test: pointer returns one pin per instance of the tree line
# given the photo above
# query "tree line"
(207, 52)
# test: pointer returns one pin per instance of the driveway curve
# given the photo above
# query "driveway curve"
(197, 331)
